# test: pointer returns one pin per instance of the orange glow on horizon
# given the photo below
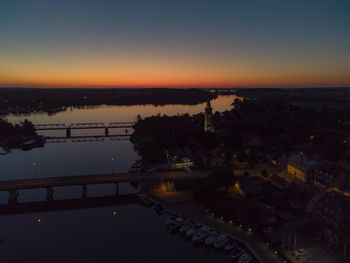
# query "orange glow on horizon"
(161, 71)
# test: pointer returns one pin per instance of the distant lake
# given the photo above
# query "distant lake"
(74, 158)
(90, 235)
(108, 114)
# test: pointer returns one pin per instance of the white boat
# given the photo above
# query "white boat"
(192, 231)
(245, 258)
(230, 244)
(201, 234)
(237, 251)
(175, 226)
(220, 241)
(174, 220)
(186, 226)
(136, 167)
(2, 151)
(210, 240)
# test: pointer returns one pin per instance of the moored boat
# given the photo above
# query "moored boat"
(230, 244)
(159, 209)
(210, 240)
(2, 151)
(237, 251)
(174, 220)
(175, 226)
(189, 233)
(136, 167)
(31, 143)
(220, 241)
(186, 226)
(245, 258)
(201, 234)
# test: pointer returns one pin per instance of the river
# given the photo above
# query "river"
(131, 234)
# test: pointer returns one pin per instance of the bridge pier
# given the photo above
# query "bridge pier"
(13, 197)
(106, 131)
(68, 132)
(116, 188)
(84, 192)
(49, 194)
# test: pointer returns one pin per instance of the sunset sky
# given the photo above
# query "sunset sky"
(174, 43)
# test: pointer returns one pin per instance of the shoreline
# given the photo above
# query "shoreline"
(190, 209)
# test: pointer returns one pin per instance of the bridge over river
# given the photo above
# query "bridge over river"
(49, 183)
(84, 126)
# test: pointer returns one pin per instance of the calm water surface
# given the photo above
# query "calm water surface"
(91, 235)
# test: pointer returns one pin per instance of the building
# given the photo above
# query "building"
(332, 215)
(179, 160)
(300, 167)
(249, 186)
(208, 118)
(324, 175)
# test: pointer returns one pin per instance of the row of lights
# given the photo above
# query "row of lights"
(230, 222)
(250, 230)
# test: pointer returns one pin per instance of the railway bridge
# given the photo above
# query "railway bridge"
(83, 126)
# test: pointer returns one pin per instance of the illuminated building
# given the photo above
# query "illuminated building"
(299, 166)
(208, 118)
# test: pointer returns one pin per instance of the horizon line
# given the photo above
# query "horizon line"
(174, 87)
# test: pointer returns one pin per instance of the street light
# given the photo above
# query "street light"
(112, 160)
(35, 165)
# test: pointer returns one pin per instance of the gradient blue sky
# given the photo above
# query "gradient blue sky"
(174, 43)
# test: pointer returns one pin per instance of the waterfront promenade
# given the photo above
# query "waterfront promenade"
(197, 213)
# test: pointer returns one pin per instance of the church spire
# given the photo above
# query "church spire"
(208, 118)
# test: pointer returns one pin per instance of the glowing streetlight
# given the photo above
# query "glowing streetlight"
(35, 166)
(112, 160)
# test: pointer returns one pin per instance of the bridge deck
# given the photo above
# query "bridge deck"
(83, 126)
(98, 179)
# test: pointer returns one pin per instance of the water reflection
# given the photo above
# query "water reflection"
(107, 114)
(95, 234)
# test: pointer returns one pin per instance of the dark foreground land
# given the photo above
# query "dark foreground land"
(27, 100)
(281, 160)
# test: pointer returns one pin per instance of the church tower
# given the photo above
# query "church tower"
(208, 118)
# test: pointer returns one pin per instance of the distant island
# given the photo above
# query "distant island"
(28, 100)
(21, 135)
